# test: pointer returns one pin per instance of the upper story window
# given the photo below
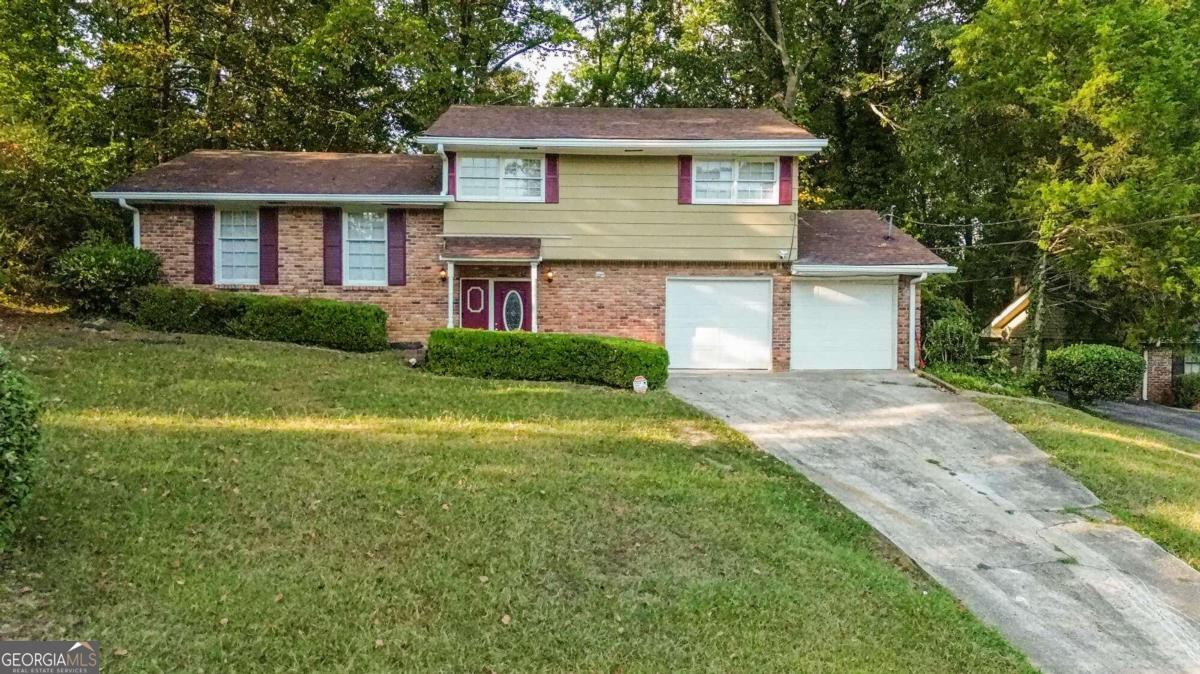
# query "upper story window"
(742, 180)
(237, 252)
(364, 254)
(501, 178)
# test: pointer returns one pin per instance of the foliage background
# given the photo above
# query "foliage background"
(1034, 143)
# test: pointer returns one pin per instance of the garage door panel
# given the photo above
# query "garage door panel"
(842, 325)
(718, 323)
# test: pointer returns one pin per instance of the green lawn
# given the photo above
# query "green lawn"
(1149, 479)
(211, 505)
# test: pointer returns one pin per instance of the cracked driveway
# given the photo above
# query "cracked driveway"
(979, 508)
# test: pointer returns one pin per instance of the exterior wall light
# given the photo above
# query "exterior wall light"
(550, 276)
(442, 275)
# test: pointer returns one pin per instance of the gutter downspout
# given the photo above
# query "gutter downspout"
(912, 319)
(137, 222)
(441, 152)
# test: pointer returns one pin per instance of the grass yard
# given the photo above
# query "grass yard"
(1147, 478)
(987, 380)
(211, 505)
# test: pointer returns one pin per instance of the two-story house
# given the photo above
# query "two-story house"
(677, 226)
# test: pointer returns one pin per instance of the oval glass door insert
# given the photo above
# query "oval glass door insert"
(514, 310)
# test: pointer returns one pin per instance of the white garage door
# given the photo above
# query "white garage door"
(719, 323)
(844, 325)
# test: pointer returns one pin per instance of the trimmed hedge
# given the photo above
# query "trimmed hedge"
(1088, 372)
(1187, 390)
(19, 435)
(583, 359)
(99, 276)
(348, 326)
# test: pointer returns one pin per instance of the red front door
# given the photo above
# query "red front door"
(474, 295)
(511, 308)
(495, 304)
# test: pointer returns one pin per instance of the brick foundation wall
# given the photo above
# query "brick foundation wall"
(628, 299)
(413, 309)
(1159, 375)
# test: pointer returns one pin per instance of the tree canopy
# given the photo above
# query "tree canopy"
(1031, 142)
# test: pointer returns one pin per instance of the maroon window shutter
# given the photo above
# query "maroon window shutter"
(786, 185)
(202, 244)
(685, 179)
(397, 247)
(333, 246)
(552, 179)
(451, 174)
(268, 246)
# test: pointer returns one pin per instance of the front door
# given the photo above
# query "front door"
(510, 305)
(495, 304)
(475, 300)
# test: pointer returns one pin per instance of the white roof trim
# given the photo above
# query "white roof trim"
(870, 269)
(491, 260)
(798, 146)
(421, 199)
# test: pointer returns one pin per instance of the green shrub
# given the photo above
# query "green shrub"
(98, 276)
(348, 326)
(584, 359)
(19, 435)
(951, 340)
(935, 307)
(1088, 372)
(1187, 390)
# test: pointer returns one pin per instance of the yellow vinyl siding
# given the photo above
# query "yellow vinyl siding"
(626, 208)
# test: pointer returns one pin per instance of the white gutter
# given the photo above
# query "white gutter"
(871, 269)
(798, 146)
(441, 152)
(137, 222)
(912, 319)
(414, 199)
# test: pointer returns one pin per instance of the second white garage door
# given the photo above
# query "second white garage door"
(843, 325)
(719, 324)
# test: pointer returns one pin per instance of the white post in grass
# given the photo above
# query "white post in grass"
(533, 268)
(449, 294)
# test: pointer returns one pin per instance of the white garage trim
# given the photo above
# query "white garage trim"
(760, 330)
(870, 346)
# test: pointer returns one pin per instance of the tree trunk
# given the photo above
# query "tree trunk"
(1032, 360)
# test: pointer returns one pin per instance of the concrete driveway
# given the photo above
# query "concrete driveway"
(1184, 423)
(979, 508)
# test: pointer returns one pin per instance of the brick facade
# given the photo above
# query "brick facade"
(413, 309)
(1160, 375)
(626, 299)
(902, 322)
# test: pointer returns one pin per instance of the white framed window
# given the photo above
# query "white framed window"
(236, 247)
(364, 248)
(1191, 360)
(501, 178)
(738, 180)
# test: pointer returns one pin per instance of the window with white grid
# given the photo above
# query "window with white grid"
(749, 180)
(237, 247)
(499, 178)
(365, 248)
